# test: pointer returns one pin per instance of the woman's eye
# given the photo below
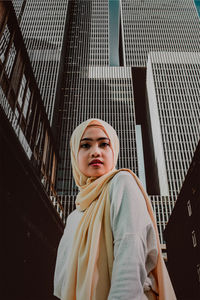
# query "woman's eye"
(86, 146)
(103, 145)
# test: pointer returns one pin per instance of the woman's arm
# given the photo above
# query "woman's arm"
(135, 248)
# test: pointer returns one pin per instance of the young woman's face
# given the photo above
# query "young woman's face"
(95, 156)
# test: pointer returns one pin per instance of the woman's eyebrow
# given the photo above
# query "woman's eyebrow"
(99, 139)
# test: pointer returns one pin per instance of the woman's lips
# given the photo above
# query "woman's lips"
(95, 163)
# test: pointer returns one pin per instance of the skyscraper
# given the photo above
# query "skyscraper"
(152, 136)
(158, 25)
(92, 88)
(173, 91)
(18, 6)
(173, 97)
(145, 26)
(43, 26)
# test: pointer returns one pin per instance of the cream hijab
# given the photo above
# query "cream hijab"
(93, 241)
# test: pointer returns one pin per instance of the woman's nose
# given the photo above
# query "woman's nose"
(95, 151)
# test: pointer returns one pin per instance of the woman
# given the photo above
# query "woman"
(110, 248)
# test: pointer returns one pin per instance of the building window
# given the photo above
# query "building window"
(11, 59)
(189, 208)
(26, 102)
(4, 43)
(21, 91)
(194, 240)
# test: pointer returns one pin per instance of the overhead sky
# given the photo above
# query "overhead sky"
(197, 2)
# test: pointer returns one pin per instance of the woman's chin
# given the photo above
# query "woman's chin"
(96, 173)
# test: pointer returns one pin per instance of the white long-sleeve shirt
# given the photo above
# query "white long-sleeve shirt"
(135, 245)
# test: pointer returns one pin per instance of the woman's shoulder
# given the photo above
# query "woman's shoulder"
(125, 183)
(127, 199)
(122, 177)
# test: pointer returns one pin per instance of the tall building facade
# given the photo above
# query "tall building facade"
(32, 213)
(173, 98)
(93, 89)
(43, 26)
(152, 136)
(18, 7)
(173, 91)
(158, 25)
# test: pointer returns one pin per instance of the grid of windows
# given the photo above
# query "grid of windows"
(98, 50)
(4, 42)
(87, 38)
(176, 89)
(108, 95)
(162, 206)
(17, 4)
(43, 26)
(158, 26)
(92, 89)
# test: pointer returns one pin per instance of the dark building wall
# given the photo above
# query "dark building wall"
(143, 118)
(31, 226)
(182, 236)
